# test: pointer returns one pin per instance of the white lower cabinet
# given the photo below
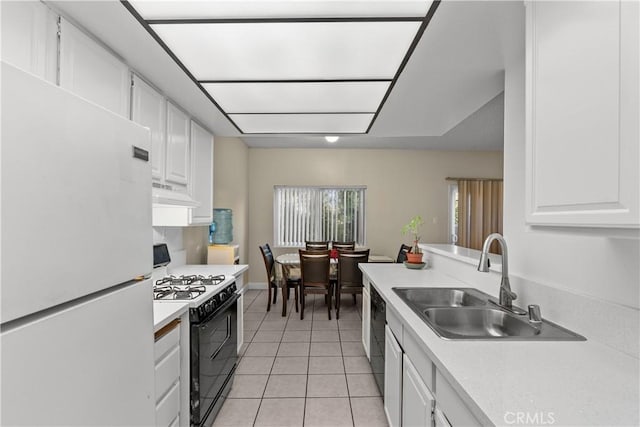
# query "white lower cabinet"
(439, 420)
(366, 319)
(392, 379)
(417, 399)
(168, 365)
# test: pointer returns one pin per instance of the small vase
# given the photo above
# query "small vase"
(414, 258)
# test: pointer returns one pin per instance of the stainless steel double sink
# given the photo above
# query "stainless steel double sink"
(469, 314)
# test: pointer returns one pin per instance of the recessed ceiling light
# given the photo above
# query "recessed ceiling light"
(331, 139)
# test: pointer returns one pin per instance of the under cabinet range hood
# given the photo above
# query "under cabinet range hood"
(161, 196)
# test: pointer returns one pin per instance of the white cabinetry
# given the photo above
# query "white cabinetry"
(167, 355)
(582, 113)
(90, 71)
(366, 317)
(177, 161)
(417, 399)
(30, 37)
(149, 108)
(393, 394)
(201, 182)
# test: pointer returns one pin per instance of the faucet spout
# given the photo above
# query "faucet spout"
(506, 295)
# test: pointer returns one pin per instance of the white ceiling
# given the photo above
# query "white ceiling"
(446, 98)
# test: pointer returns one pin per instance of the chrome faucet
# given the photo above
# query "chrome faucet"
(506, 295)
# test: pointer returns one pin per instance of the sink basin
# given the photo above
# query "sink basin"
(442, 297)
(464, 314)
(478, 323)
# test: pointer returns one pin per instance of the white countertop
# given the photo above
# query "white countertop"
(581, 383)
(164, 313)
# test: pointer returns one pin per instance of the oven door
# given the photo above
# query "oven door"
(213, 361)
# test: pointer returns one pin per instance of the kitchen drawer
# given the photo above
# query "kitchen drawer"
(167, 372)
(168, 409)
(394, 322)
(457, 412)
(169, 338)
(419, 358)
(175, 422)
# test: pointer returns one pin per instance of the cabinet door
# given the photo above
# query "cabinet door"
(366, 321)
(201, 183)
(148, 108)
(90, 71)
(417, 400)
(30, 37)
(392, 379)
(439, 420)
(582, 113)
(240, 309)
(177, 167)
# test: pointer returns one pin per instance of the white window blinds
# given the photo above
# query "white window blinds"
(318, 214)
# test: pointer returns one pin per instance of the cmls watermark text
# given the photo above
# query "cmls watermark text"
(529, 418)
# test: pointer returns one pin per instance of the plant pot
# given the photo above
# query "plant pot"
(414, 258)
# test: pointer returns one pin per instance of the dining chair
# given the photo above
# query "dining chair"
(350, 246)
(314, 267)
(349, 275)
(272, 281)
(316, 246)
(291, 278)
(402, 253)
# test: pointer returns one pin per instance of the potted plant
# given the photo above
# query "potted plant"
(413, 227)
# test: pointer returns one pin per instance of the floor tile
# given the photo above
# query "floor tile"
(286, 386)
(296, 336)
(333, 412)
(351, 335)
(349, 315)
(251, 325)
(273, 325)
(294, 349)
(253, 315)
(281, 412)
(267, 336)
(349, 324)
(248, 386)
(325, 349)
(357, 365)
(327, 386)
(295, 324)
(368, 412)
(325, 365)
(237, 413)
(262, 349)
(362, 385)
(352, 348)
(324, 324)
(255, 365)
(324, 336)
(243, 349)
(290, 365)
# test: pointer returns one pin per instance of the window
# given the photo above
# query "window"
(318, 213)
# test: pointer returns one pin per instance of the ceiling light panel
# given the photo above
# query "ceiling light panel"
(294, 97)
(302, 123)
(278, 9)
(290, 50)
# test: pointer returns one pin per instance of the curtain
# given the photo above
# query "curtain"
(479, 212)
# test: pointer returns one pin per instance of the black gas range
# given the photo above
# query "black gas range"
(213, 333)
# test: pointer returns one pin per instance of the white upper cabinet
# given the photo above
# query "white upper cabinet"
(582, 113)
(90, 71)
(178, 155)
(201, 182)
(30, 37)
(149, 108)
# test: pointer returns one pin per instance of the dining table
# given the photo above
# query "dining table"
(290, 261)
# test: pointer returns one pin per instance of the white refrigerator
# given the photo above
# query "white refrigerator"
(76, 330)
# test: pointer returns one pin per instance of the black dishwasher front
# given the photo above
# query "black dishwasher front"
(376, 340)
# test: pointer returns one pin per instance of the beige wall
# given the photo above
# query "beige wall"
(230, 190)
(400, 184)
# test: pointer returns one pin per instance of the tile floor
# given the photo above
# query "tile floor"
(310, 372)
